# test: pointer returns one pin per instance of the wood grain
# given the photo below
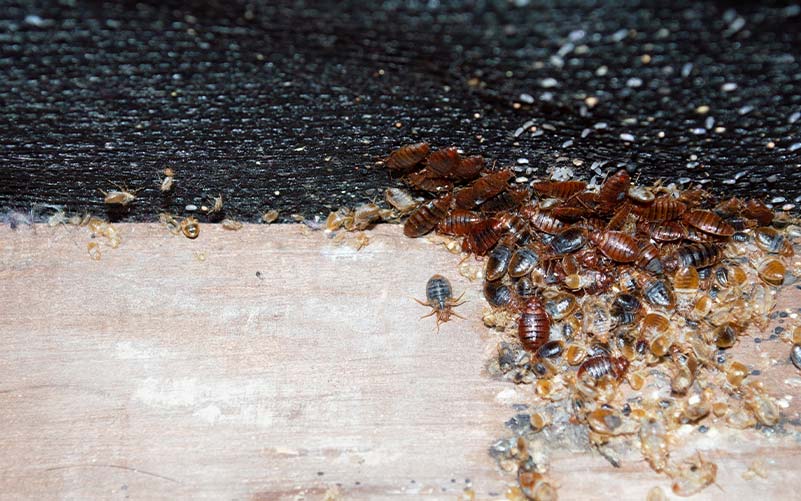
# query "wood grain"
(154, 374)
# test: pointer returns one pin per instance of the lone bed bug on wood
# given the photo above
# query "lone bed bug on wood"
(439, 296)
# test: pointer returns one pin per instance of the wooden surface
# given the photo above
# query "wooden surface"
(154, 374)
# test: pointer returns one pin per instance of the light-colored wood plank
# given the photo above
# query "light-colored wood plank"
(153, 374)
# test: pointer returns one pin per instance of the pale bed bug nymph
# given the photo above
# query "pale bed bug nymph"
(120, 196)
(439, 295)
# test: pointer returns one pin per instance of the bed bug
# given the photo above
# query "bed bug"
(400, 199)
(482, 189)
(522, 262)
(534, 326)
(363, 216)
(270, 216)
(216, 205)
(708, 222)
(617, 246)
(443, 163)
(569, 214)
(169, 179)
(620, 217)
(613, 191)
(656, 291)
(439, 296)
(483, 236)
(686, 280)
(648, 257)
(561, 306)
(468, 168)
(693, 476)
(506, 200)
(662, 209)
(231, 224)
(795, 356)
(559, 189)
(497, 262)
(666, 231)
(458, 222)
(569, 240)
(757, 210)
(542, 220)
(407, 156)
(121, 196)
(641, 195)
(771, 271)
(603, 365)
(551, 349)
(525, 288)
(699, 255)
(423, 181)
(426, 217)
(93, 248)
(773, 241)
(497, 294)
(190, 227)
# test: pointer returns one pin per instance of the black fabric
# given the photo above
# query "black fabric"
(288, 105)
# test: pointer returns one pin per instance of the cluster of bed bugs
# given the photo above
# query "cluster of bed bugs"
(603, 291)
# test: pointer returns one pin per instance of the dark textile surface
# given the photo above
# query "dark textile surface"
(288, 105)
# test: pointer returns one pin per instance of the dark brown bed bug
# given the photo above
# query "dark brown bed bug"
(665, 231)
(708, 222)
(542, 220)
(616, 245)
(603, 365)
(458, 222)
(525, 288)
(406, 157)
(483, 236)
(515, 227)
(534, 326)
(559, 189)
(439, 296)
(662, 209)
(648, 257)
(698, 236)
(423, 181)
(443, 163)
(591, 259)
(700, 255)
(482, 189)
(522, 262)
(551, 349)
(656, 291)
(613, 191)
(569, 214)
(620, 217)
(497, 294)
(569, 240)
(497, 262)
(755, 209)
(505, 200)
(469, 168)
(426, 217)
